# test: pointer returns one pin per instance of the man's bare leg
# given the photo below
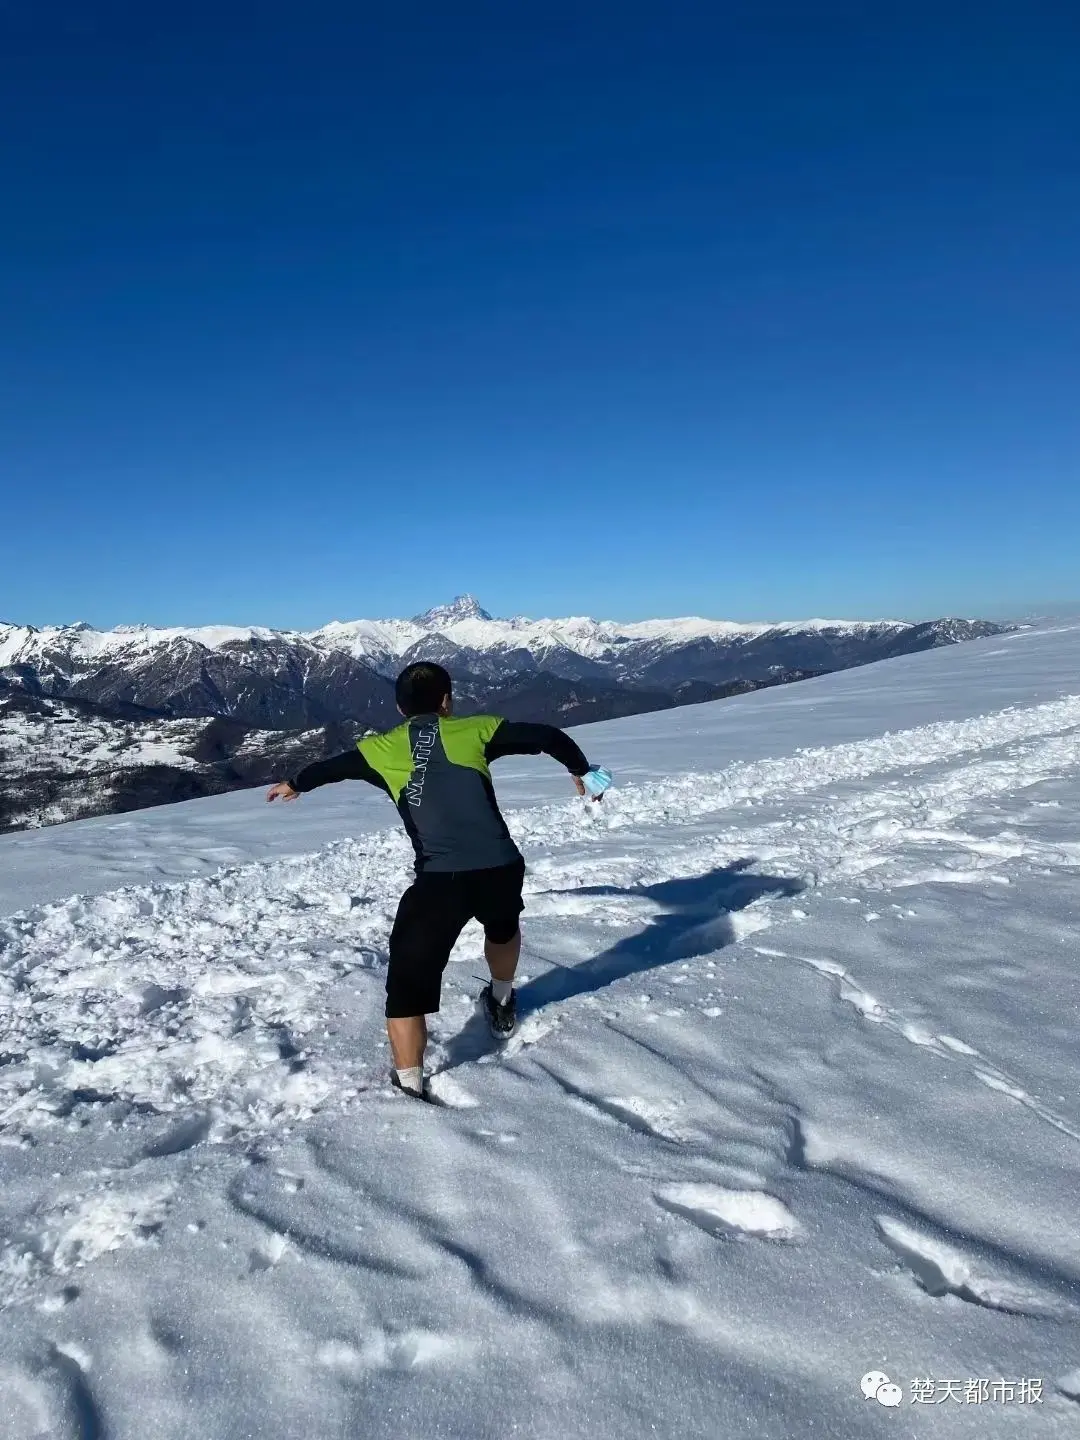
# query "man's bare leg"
(408, 1039)
(502, 959)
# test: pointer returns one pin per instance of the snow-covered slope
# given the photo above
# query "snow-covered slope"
(793, 1099)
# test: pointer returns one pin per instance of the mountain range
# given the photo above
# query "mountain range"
(96, 721)
(343, 672)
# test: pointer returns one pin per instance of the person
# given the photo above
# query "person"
(434, 767)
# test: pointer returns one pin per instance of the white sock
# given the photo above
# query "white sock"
(412, 1079)
(501, 989)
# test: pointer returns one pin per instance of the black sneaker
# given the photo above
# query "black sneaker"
(424, 1094)
(501, 1018)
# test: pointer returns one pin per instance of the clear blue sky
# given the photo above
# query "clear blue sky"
(326, 310)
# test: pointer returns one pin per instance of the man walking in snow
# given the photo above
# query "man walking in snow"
(435, 769)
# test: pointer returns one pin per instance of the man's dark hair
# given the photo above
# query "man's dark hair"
(420, 688)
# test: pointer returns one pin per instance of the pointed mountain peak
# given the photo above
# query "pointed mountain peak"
(465, 607)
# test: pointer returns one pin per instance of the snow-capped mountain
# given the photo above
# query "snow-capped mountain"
(687, 648)
(260, 677)
(342, 671)
(464, 607)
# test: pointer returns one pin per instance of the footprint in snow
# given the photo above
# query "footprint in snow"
(451, 1092)
(730, 1214)
(385, 1350)
(184, 1135)
(656, 1118)
(942, 1270)
(649, 1117)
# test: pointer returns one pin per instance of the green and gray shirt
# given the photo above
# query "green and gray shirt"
(435, 769)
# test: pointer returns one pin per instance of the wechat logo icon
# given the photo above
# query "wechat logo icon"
(876, 1385)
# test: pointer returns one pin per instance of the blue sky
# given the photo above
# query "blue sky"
(320, 311)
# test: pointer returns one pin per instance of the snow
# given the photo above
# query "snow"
(792, 1100)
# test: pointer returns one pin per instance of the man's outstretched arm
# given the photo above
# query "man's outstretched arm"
(517, 737)
(349, 766)
(514, 737)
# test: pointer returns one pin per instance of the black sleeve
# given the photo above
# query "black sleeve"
(520, 738)
(350, 766)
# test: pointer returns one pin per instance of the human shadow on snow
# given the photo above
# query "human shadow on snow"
(693, 918)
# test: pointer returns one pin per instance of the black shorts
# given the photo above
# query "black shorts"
(432, 914)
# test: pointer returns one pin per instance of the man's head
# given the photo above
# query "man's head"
(423, 689)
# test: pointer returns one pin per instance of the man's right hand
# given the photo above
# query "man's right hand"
(594, 782)
(282, 791)
(579, 785)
